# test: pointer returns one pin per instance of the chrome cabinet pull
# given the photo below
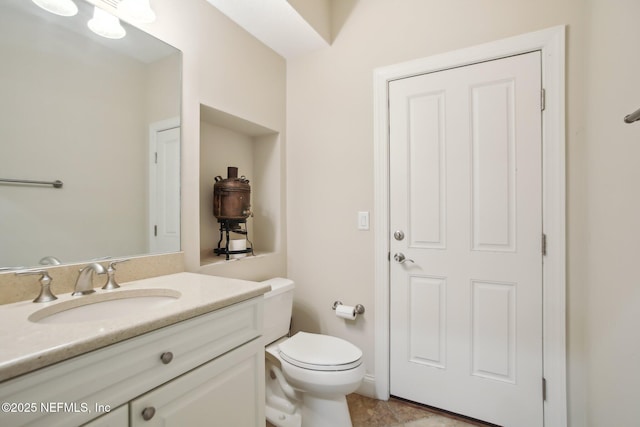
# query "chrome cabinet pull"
(166, 357)
(148, 413)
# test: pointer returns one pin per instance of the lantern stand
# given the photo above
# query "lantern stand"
(233, 226)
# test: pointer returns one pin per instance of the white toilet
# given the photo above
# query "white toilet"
(308, 375)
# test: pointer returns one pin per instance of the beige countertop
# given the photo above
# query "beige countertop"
(26, 345)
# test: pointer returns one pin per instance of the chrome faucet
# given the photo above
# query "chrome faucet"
(84, 283)
(49, 260)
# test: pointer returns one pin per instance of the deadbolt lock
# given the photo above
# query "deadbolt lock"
(398, 235)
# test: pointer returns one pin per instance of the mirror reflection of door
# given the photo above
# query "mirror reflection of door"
(164, 187)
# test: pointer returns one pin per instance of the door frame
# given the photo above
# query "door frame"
(551, 43)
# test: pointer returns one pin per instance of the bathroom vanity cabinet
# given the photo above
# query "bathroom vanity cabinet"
(208, 370)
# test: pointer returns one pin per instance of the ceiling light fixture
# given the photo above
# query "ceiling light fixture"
(59, 7)
(138, 10)
(106, 25)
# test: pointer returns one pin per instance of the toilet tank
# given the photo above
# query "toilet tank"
(278, 304)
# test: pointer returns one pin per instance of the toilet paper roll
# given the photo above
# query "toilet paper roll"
(346, 311)
(237, 245)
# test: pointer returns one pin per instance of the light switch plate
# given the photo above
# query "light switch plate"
(363, 220)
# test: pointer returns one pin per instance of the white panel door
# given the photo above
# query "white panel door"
(465, 192)
(165, 192)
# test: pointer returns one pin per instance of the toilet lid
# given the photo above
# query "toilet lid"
(320, 352)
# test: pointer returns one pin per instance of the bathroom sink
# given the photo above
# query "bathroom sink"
(105, 306)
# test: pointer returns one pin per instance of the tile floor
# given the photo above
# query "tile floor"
(367, 412)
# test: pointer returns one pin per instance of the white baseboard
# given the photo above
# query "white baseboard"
(368, 386)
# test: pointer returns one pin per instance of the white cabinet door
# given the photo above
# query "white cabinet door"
(118, 417)
(228, 391)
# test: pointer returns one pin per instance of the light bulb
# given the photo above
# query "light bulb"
(59, 7)
(106, 25)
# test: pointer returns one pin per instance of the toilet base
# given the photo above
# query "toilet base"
(318, 396)
(326, 411)
(282, 419)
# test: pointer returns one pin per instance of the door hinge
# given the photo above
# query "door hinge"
(543, 99)
(544, 244)
(156, 157)
(155, 231)
(544, 389)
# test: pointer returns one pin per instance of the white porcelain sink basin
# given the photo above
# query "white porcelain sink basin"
(108, 305)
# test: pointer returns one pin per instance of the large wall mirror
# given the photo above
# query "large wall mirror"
(100, 115)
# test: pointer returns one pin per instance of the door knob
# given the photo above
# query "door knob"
(401, 259)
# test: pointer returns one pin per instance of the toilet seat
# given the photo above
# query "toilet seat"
(320, 352)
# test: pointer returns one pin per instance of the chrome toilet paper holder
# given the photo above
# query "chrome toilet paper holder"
(357, 309)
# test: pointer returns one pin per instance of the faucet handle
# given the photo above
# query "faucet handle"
(45, 281)
(111, 275)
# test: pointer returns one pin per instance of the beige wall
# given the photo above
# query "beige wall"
(161, 97)
(317, 13)
(330, 170)
(610, 255)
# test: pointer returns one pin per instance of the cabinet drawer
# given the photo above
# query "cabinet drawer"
(228, 391)
(118, 373)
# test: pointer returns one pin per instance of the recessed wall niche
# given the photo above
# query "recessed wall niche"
(228, 140)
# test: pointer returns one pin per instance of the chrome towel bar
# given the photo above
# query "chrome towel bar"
(56, 184)
(633, 117)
